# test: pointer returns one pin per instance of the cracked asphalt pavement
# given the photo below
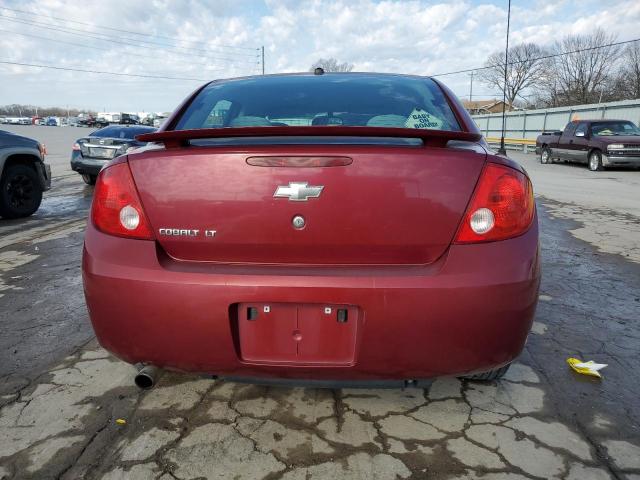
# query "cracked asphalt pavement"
(60, 393)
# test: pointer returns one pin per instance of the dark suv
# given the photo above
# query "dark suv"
(129, 119)
(23, 175)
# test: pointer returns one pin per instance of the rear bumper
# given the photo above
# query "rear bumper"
(620, 161)
(470, 311)
(88, 166)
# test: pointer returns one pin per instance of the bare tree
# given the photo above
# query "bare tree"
(331, 65)
(525, 68)
(29, 110)
(628, 81)
(581, 71)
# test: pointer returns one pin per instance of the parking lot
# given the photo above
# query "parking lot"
(61, 394)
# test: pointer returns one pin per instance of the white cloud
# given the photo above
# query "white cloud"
(413, 36)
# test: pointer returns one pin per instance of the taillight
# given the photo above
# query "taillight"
(117, 209)
(502, 206)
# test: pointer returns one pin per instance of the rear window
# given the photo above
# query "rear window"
(122, 132)
(327, 100)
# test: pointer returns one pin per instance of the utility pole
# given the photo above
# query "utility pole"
(471, 87)
(262, 59)
(502, 150)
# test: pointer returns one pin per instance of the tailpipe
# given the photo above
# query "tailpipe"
(147, 376)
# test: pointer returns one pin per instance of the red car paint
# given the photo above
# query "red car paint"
(373, 287)
(220, 191)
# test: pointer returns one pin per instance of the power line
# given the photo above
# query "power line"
(114, 29)
(102, 49)
(121, 40)
(544, 57)
(140, 43)
(120, 74)
(39, 23)
(467, 70)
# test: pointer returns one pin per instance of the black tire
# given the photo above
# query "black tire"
(490, 375)
(594, 162)
(545, 155)
(89, 179)
(20, 192)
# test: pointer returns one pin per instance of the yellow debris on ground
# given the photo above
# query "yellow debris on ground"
(586, 368)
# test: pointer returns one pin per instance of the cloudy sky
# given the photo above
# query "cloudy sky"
(193, 41)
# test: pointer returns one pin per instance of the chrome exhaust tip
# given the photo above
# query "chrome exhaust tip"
(147, 377)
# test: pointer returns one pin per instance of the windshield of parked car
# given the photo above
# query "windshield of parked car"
(122, 132)
(321, 100)
(606, 129)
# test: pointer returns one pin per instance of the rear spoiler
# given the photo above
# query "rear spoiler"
(180, 138)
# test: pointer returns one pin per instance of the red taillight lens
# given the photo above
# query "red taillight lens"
(502, 206)
(117, 209)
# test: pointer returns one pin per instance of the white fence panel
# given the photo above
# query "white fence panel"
(530, 123)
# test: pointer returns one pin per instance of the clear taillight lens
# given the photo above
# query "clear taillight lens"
(117, 209)
(482, 221)
(502, 206)
(129, 217)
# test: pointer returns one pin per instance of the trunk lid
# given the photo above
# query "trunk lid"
(104, 148)
(387, 205)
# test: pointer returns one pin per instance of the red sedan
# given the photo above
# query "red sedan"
(328, 228)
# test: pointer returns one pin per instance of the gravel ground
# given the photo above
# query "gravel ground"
(60, 393)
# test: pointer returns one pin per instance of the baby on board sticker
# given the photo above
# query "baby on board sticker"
(419, 118)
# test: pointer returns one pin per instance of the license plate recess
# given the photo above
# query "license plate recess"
(310, 334)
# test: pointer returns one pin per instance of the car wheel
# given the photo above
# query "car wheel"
(595, 161)
(545, 155)
(20, 192)
(89, 179)
(490, 375)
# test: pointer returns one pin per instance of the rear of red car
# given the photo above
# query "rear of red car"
(345, 227)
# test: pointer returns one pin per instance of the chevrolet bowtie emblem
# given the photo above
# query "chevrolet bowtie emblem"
(298, 191)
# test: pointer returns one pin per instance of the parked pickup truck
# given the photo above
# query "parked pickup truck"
(92, 122)
(598, 143)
